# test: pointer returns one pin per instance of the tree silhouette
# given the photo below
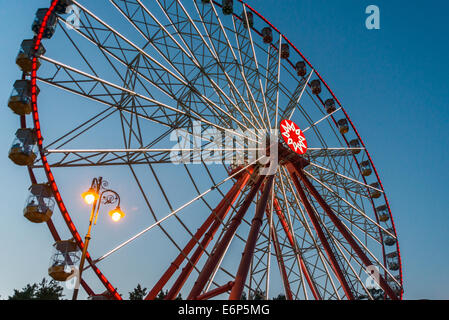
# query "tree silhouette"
(257, 295)
(280, 297)
(39, 291)
(163, 294)
(138, 293)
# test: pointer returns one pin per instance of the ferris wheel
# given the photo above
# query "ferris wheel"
(156, 81)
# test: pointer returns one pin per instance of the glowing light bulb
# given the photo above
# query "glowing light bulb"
(89, 198)
(116, 214)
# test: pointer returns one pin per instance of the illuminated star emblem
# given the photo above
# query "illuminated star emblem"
(293, 137)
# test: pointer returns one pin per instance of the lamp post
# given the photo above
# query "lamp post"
(97, 195)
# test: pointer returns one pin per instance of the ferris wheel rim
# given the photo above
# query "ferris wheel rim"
(48, 170)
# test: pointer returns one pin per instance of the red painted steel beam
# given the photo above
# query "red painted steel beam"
(213, 293)
(226, 202)
(50, 224)
(334, 263)
(290, 238)
(245, 263)
(280, 259)
(221, 247)
(49, 174)
(342, 228)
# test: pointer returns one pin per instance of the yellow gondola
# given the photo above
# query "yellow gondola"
(40, 204)
(66, 256)
(23, 148)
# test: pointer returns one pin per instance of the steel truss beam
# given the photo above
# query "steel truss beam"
(220, 249)
(296, 172)
(214, 221)
(292, 242)
(321, 235)
(242, 273)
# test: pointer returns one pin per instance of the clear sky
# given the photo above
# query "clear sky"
(392, 81)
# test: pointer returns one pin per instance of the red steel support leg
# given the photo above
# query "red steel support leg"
(50, 224)
(219, 251)
(320, 233)
(242, 273)
(280, 259)
(225, 203)
(290, 238)
(187, 270)
(216, 292)
(341, 227)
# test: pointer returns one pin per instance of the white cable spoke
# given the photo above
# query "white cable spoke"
(155, 102)
(307, 228)
(335, 149)
(235, 60)
(339, 245)
(217, 59)
(195, 61)
(300, 96)
(267, 71)
(174, 212)
(145, 150)
(295, 243)
(271, 230)
(242, 71)
(151, 42)
(360, 242)
(138, 49)
(278, 81)
(352, 206)
(322, 119)
(262, 91)
(345, 177)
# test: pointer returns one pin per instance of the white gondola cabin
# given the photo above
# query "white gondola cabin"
(20, 99)
(26, 53)
(227, 7)
(267, 35)
(388, 239)
(393, 261)
(285, 51)
(394, 284)
(383, 213)
(250, 17)
(316, 86)
(366, 168)
(40, 204)
(343, 126)
(62, 6)
(375, 193)
(65, 257)
(301, 68)
(23, 150)
(50, 27)
(355, 145)
(330, 106)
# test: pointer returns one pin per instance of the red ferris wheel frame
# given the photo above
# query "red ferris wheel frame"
(65, 213)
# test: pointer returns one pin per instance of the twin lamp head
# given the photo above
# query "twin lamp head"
(90, 196)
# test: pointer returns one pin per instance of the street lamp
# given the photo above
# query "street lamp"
(97, 195)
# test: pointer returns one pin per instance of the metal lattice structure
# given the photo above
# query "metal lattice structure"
(313, 228)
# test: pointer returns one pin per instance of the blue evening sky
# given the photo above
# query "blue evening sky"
(393, 82)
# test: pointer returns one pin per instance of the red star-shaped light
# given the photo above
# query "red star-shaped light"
(293, 137)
